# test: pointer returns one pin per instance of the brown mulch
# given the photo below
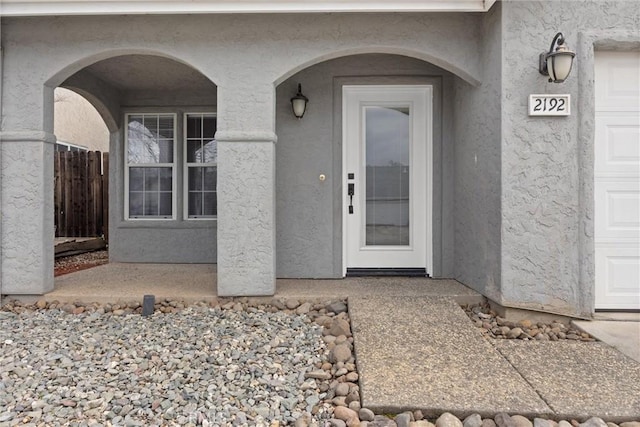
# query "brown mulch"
(79, 262)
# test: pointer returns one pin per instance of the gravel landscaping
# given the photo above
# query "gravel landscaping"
(70, 264)
(229, 363)
(235, 364)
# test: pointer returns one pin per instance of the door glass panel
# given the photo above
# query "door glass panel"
(387, 142)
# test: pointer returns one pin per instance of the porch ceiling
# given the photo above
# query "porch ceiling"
(148, 73)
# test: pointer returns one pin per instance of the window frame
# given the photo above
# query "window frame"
(173, 166)
(186, 165)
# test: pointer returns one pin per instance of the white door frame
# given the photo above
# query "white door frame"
(428, 162)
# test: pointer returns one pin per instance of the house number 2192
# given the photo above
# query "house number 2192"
(549, 105)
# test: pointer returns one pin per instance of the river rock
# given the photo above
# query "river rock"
(448, 420)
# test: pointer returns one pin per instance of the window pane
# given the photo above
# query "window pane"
(165, 127)
(194, 126)
(194, 150)
(166, 202)
(151, 124)
(209, 178)
(210, 151)
(151, 204)
(151, 179)
(135, 128)
(166, 180)
(195, 204)
(387, 145)
(195, 178)
(210, 203)
(208, 127)
(143, 150)
(140, 140)
(135, 203)
(136, 179)
(165, 147)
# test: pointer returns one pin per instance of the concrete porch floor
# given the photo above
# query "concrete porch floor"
(123, 282)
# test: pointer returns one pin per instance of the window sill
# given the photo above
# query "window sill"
(168, 224)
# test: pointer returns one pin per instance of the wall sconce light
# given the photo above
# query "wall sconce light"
(299, 103)
(556, 64)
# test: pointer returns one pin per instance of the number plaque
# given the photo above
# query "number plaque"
(550, 105)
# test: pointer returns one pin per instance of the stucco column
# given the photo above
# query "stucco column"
(26, 195)
(246, 191)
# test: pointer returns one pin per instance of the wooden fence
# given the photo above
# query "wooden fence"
(81, 194)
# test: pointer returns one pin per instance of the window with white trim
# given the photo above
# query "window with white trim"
(201, 165)
(150, 165)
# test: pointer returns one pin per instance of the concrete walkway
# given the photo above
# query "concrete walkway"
(425, 353)
(620, 330)
(415, 347)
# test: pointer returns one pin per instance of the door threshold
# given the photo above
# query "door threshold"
(404, 272)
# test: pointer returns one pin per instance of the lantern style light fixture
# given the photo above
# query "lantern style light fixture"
(556, 64)
(299, 103)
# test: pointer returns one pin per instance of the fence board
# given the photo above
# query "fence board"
(68, 186)
(58, 187)
(91, 196)
(81, 198)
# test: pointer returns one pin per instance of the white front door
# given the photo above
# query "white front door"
(387, 177)
(617, 180)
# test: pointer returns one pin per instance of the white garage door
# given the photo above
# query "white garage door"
(617, 180)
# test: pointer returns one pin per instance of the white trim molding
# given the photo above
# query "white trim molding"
(149, 7)
(27, 136)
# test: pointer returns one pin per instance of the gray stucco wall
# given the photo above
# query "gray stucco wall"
(547, 163)
(229, 50)
(477, 129)
(309, 211)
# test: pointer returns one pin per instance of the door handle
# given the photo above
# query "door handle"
(350, 192)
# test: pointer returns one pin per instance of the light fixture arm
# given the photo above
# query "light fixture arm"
(558, 38)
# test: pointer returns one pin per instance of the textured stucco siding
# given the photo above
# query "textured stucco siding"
(477, 130)
(546, 202)
(246, 231)
(309, 211)
(27, 168)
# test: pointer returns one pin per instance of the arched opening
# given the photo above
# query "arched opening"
(462, 167)
(161, 116)
(80, 183)
(312, 185)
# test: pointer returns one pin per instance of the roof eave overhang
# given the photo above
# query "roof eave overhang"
(163, 7)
